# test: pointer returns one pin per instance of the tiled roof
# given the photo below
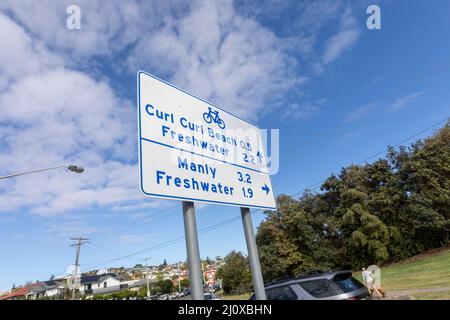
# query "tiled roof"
(19, 293)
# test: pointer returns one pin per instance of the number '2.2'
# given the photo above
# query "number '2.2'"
(249, 158)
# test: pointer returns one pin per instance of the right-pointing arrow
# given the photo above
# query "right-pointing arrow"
(265, 188)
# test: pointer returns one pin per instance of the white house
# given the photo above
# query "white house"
(91, 284)
(56, 291)
(46, 289)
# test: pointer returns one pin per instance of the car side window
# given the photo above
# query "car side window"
(281, 293)
(320, 288)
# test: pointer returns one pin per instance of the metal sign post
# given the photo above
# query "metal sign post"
(192, 150)
(193, 252)
(253, 256)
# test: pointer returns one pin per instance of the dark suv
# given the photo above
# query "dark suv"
(335, 285)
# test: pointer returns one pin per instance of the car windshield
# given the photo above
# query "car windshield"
(323, 288)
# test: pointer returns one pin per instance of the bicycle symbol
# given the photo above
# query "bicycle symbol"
(213, 116)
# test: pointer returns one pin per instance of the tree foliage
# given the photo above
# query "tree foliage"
(235, 273)
(384, 211)
(166, 286)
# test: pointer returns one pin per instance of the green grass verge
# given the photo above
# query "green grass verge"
(222, 296)
(238, 297)
(425, 272)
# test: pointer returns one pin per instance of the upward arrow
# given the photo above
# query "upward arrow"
(265, 188)
(259, 155)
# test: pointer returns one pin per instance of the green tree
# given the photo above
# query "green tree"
(184, 284)
(166, 286)
(384, 211)
(365, 236)
(235, 273)
(142, 292)
(295, 240)
(423, 175)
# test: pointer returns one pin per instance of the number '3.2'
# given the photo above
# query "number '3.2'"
(244, 177)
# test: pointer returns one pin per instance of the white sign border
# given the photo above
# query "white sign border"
(141, 189)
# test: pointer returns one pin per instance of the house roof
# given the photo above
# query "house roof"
(19, 293)
(96, 278)
(138, 283)
(43, 286)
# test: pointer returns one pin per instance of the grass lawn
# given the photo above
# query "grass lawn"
(424, 271)
(444, 295)
(238, 297)
(220, 295)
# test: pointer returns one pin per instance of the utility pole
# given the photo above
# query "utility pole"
(146, 277)
(78, 242)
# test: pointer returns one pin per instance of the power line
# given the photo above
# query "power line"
(407, 139)
(98, 253)
(132, 225)
(234, 219)
(318, 184)
(101, 249)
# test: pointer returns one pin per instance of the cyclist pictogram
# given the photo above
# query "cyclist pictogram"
(213, 116)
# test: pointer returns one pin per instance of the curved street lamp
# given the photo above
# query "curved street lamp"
(72, 168)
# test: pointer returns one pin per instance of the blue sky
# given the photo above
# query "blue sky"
(337, 92)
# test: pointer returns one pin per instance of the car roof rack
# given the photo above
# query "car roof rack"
(280, 280)
(312, 274)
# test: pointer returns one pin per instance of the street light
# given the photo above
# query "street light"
(76, 169)
(72, 168)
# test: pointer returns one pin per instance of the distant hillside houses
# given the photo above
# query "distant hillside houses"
(103, 281)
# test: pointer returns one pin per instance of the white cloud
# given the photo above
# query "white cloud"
(352, 135)
(296, 111)
(132, 238)
(20, 55)
(101, 22)
(71, 228)
(107, 27)
(386, 105)
(51, 115)
(405, 100)
(218, 50)
(363, 111)
(220, 56)
(142, 205)
(56, 107)
(346, 36)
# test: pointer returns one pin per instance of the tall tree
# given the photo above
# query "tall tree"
(235, 273)
(388, 210)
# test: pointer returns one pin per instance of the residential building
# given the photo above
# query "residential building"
(20, 293)
(47, 289)
(91, 284)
